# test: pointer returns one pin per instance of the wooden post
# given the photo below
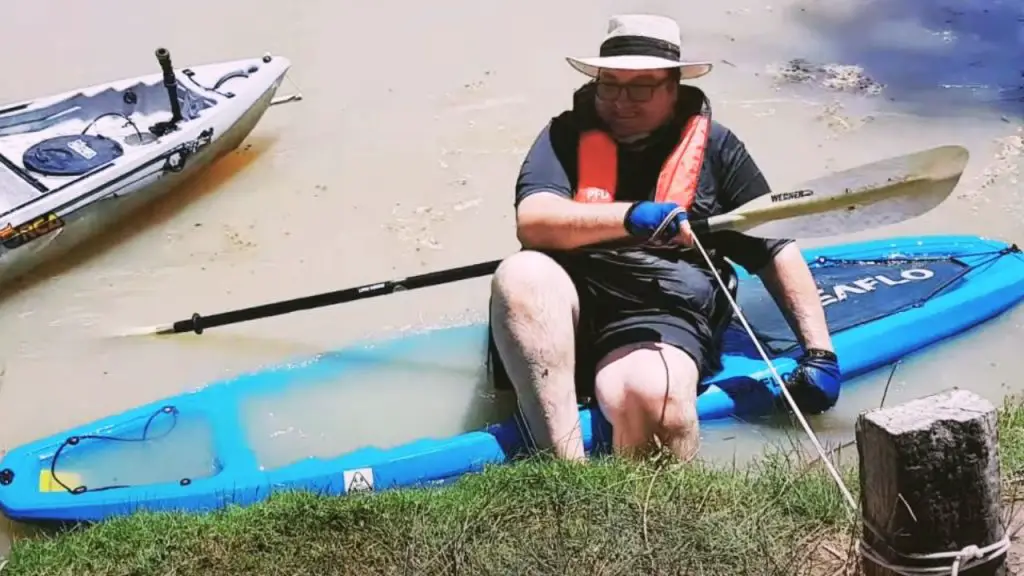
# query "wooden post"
(929, 482)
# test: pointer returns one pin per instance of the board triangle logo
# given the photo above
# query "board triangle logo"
(359, 480)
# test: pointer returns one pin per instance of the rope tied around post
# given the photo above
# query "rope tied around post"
(930, 482)
(969, 557)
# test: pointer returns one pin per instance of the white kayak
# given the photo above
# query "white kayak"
(73, 164)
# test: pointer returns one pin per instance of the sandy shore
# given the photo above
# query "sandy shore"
(402, 157)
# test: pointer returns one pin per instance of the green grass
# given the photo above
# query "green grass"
(608, 516)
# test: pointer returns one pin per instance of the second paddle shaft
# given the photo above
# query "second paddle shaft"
(198, 323)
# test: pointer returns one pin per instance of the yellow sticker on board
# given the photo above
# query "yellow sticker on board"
(47, 483)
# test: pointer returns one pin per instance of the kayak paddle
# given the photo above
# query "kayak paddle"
(198, 323)
(875, 194)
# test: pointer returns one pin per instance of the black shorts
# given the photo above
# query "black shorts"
(625, 310)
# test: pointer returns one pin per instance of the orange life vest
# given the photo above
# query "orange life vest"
(597, 165)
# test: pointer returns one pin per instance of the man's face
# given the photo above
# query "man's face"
(634, 102)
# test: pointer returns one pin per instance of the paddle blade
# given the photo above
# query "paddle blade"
(864, 197)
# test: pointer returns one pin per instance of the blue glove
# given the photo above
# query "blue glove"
(815, 384)
(643, 218)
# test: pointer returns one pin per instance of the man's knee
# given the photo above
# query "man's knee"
(653, 378)
(528, 281)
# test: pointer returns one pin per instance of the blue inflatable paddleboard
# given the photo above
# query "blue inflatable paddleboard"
(883, 300)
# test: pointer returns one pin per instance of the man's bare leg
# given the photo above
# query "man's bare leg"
(534, 310)
(649, 390)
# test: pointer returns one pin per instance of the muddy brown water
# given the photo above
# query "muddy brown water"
(401, 159)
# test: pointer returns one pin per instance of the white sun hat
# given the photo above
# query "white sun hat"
(641, 42)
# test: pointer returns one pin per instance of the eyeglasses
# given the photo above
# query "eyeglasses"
(634, 92)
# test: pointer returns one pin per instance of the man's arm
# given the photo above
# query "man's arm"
(548, 221)
(778, 263)
(789, 281)
(546, 216)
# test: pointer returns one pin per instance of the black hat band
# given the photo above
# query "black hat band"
(639, 46)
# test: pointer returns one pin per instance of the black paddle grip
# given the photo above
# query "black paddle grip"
(163, 57)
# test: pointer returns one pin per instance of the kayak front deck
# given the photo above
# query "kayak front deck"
(883, 300)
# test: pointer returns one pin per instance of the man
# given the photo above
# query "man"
(636, 323)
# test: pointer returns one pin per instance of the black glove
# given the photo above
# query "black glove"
(815, 384)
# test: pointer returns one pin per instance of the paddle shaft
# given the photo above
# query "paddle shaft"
(199, 323)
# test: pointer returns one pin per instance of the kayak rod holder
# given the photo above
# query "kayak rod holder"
(163, 57)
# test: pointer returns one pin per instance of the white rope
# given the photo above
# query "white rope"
(771, 366)
(967, 558)
(964, 559)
